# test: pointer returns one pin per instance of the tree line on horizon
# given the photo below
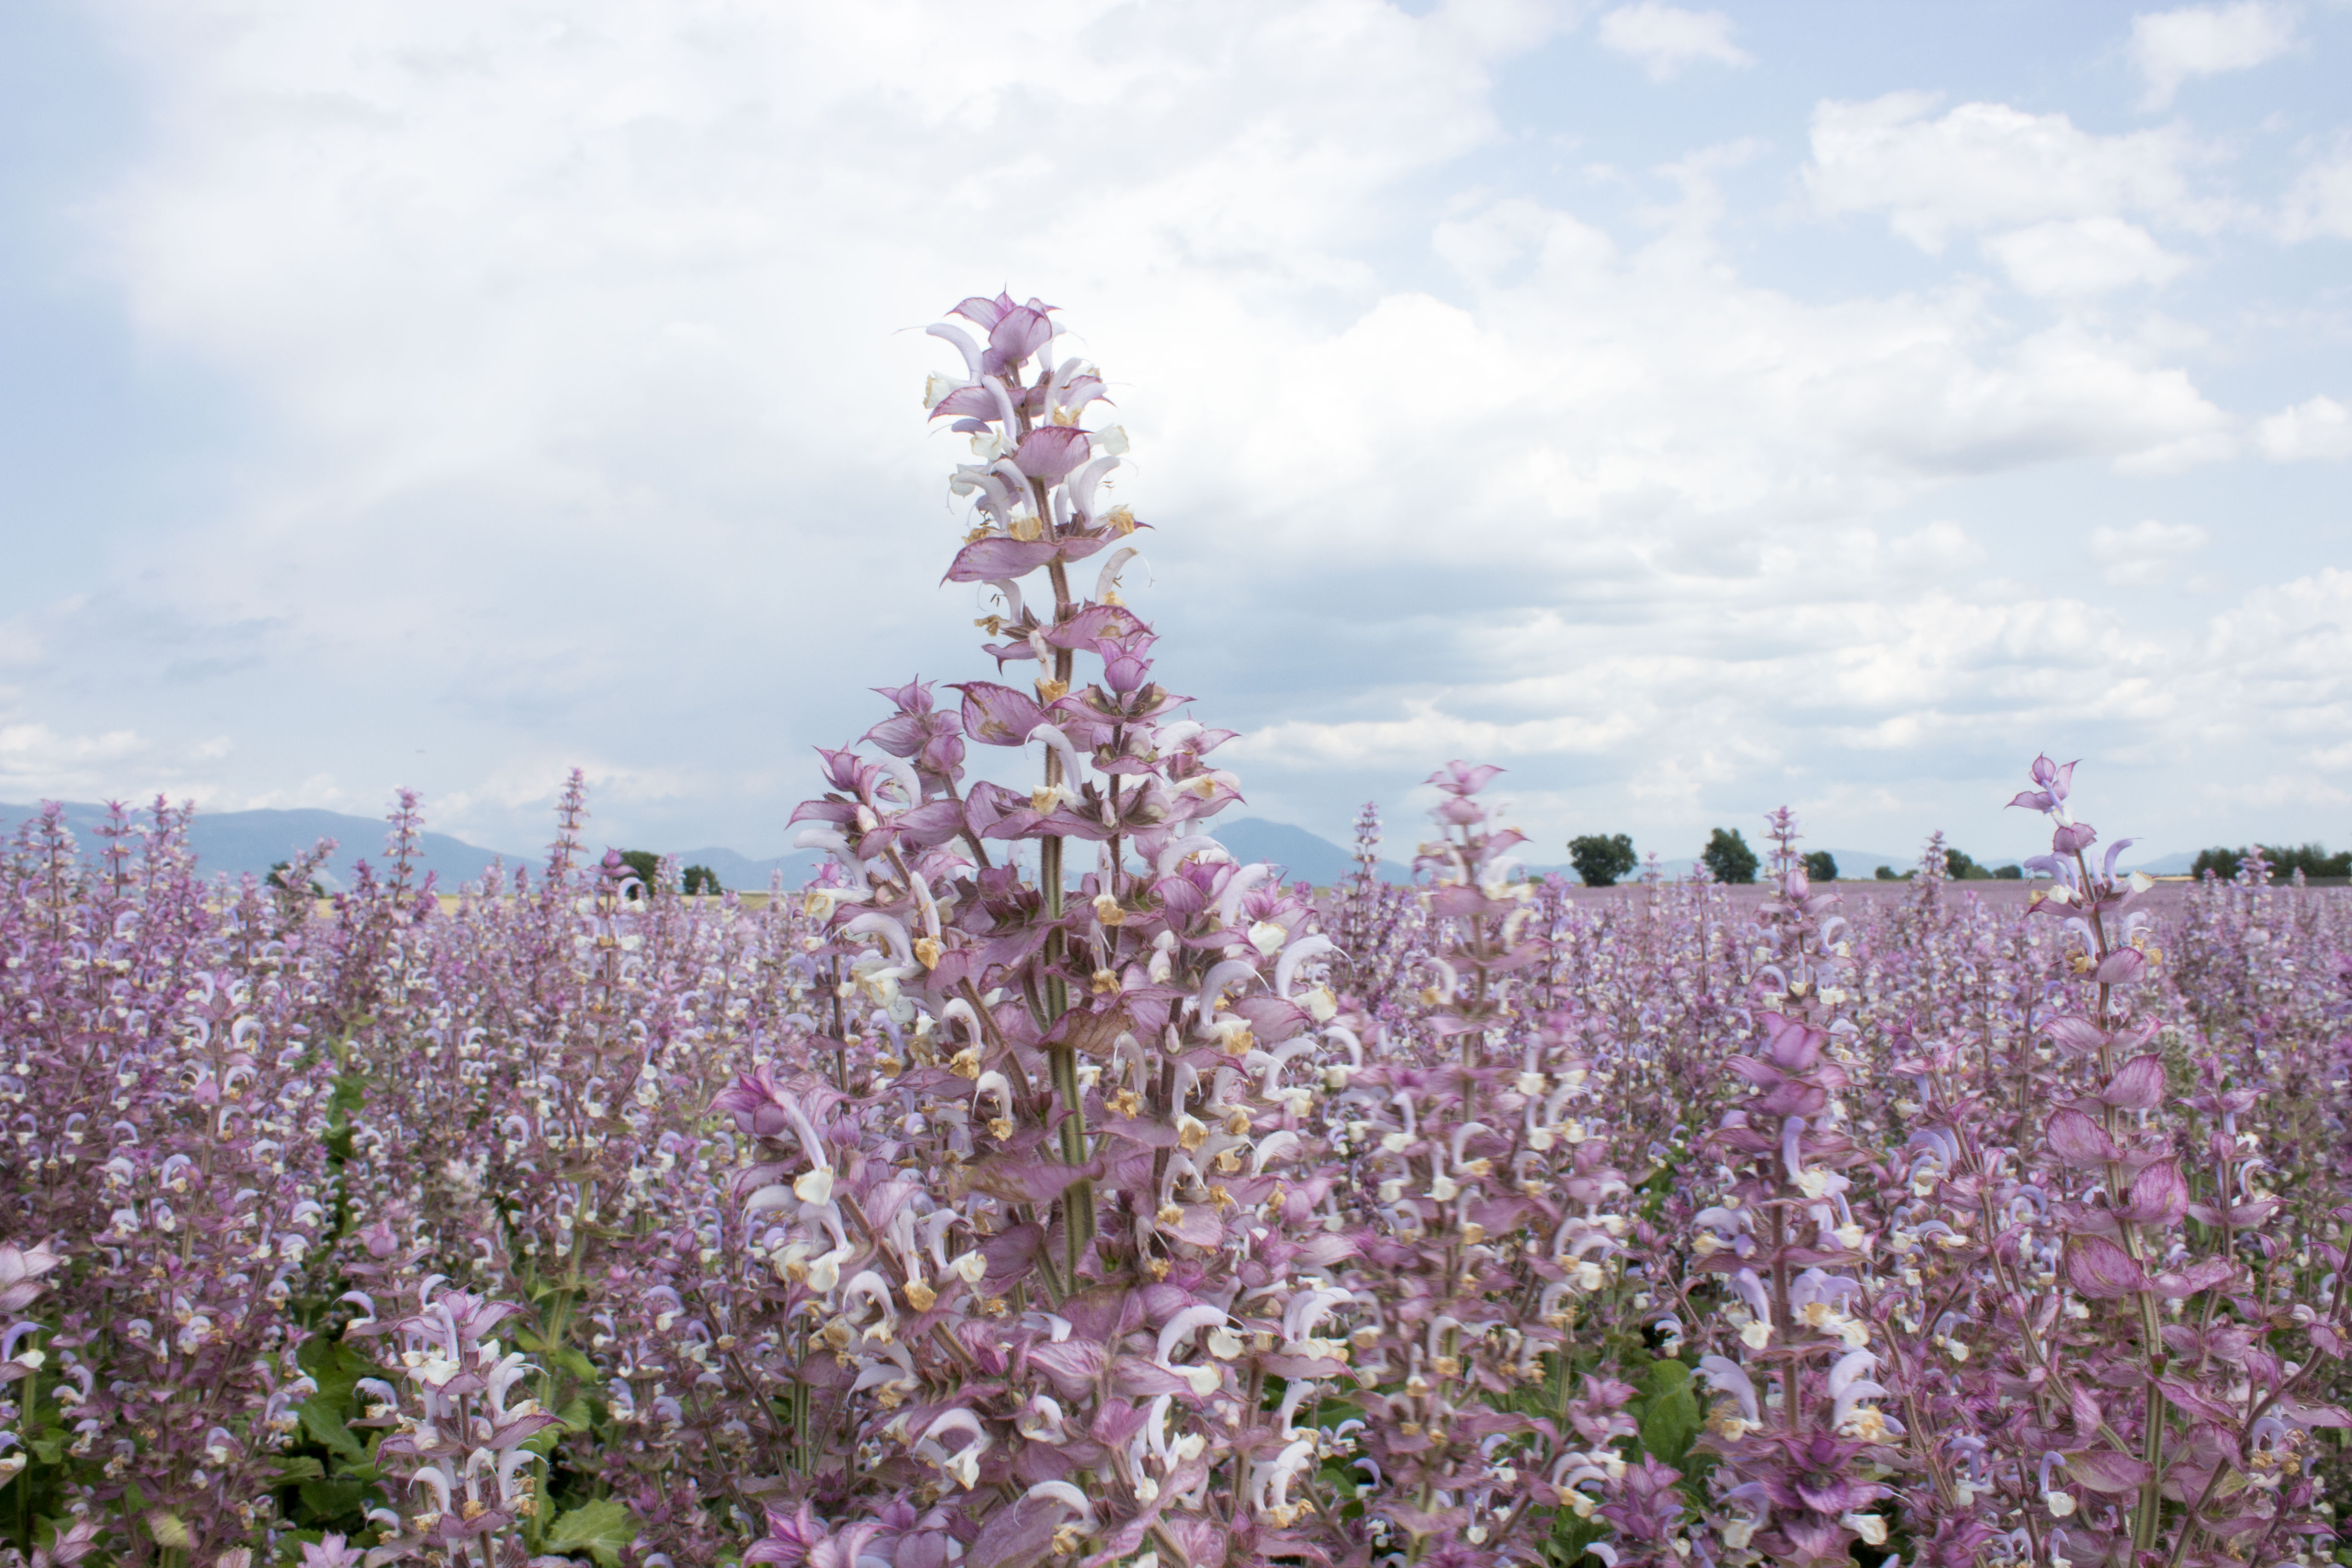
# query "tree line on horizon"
(694, 881)
(1603, 860)
(2282, 861)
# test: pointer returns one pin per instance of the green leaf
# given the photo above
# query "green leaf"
(291, 1542)
(600, 1528)
(320, 1354)
(48, 1451)
(326, 1425)
(576, 1417)
(578, 1365)
(1669, 1416)
(1570, 1537)
(351, 1093)
(300, 1467)
(330, 1501)
(334, 1365)
(1344, 1483)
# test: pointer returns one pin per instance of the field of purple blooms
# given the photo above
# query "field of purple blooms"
(1041, 1186)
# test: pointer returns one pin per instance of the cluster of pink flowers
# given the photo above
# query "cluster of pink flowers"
(1040, 1185)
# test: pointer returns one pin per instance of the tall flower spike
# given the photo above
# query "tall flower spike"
(1084, 1196)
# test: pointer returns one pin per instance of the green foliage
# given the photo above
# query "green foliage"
(1729, 857)
(1603, 860)
(646, 865)
(277, 878)
(329, 1480)
(2311, 860)
(2285, 860)
(1571, 1538)
(337, 1500)
(1821, 866)
(326, 1425)
(601, 1529)
(1889, 874)
(36, 1502)
(1963, 867)
(1667, 1412)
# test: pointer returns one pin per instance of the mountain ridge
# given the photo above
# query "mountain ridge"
(237, 842)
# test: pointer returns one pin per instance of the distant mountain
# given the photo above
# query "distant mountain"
(239, 841)
(739, 873)
(2168, 866)
(1307, 857)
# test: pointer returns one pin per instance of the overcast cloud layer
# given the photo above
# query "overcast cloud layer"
(1690, 410)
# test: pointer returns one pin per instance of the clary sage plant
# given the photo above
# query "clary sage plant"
(1039, 1184)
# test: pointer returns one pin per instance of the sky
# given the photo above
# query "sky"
(1690, 410)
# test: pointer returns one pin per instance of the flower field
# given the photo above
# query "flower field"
(1041, 1186)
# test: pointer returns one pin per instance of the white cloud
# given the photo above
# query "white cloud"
(318, 792)
(1671, 463)
(2319, 204)
(695, 239)
(1750, 680)
(2074, 258)
(1886, 683)
(1935, 549)
(2282, 655)
(1616, 412)
(2169, 458)
(1666, 38)
(596, 437)
(2175, 47)
(2321, 428)
(37, 761)
(2145, 554)
(491, 238)
(1987, 166)
(566, 317)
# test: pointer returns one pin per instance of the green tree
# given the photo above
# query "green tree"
(2222, 863)
(277, 878)
(1601, 861)
(1729, 857)
(2285, 862)
(2311, 860)
(1959, 866)
(2009, 873)
(1821, 866)
(648, 867)
(702, 880)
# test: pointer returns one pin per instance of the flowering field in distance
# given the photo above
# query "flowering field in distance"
(1040, 1186)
